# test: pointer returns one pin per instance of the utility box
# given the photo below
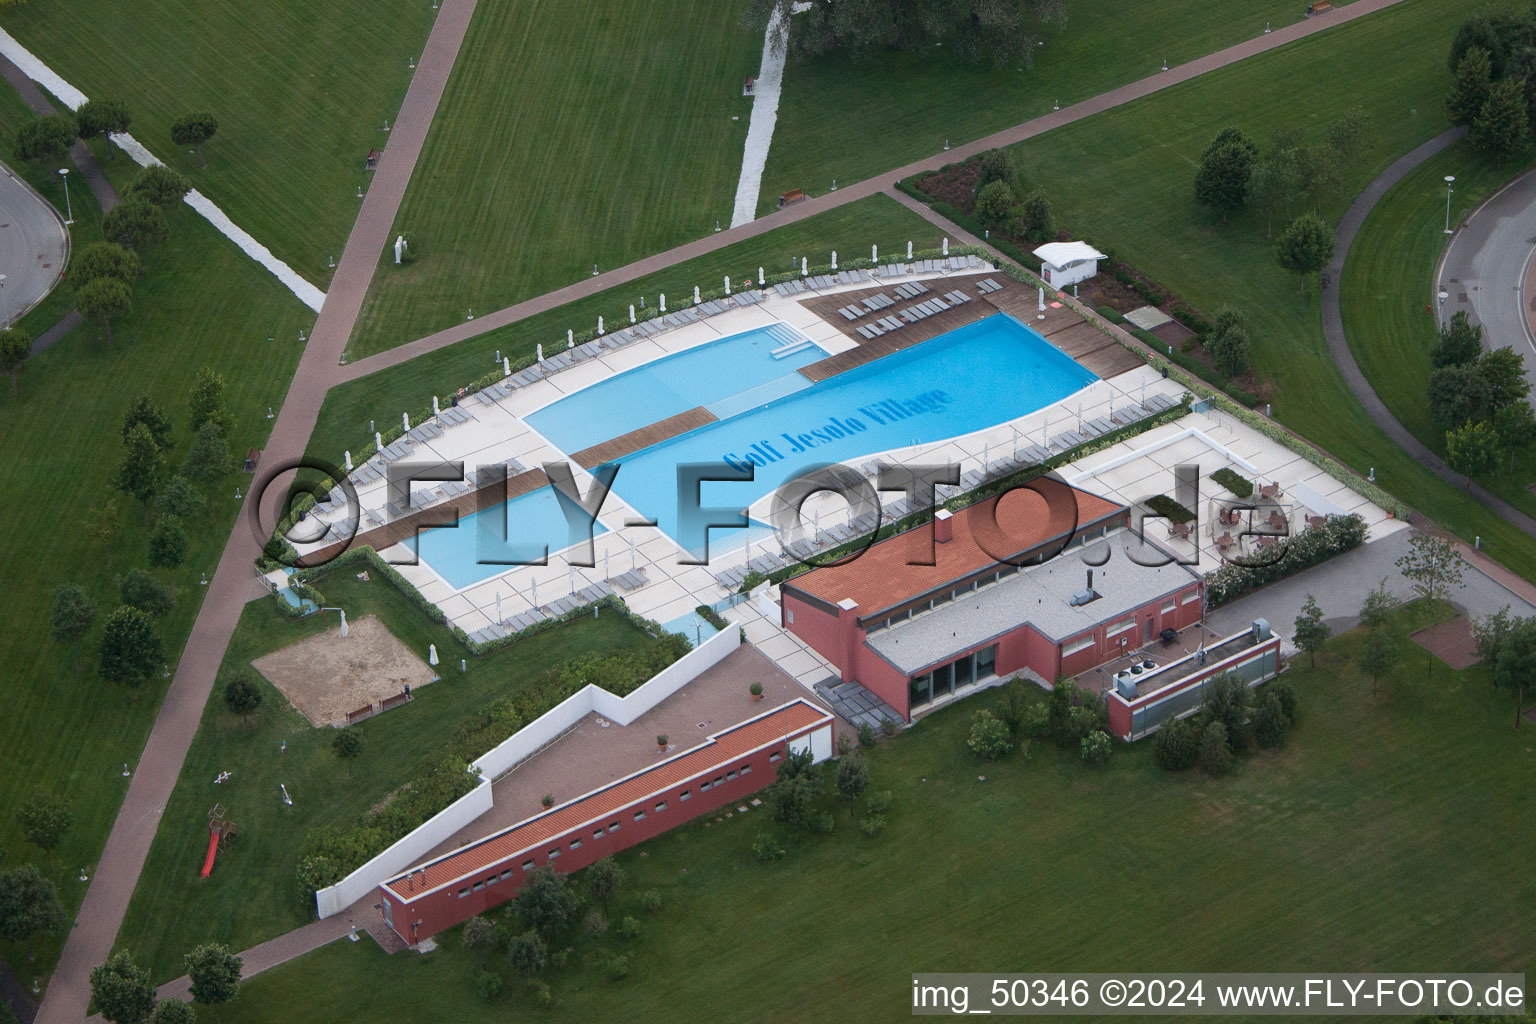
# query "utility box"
(1067, 263)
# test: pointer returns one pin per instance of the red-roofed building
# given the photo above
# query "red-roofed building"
(725, 769)
(987, 592)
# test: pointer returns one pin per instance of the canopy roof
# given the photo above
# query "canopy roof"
(1059, 254)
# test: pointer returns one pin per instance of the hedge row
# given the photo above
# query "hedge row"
(1315, 544)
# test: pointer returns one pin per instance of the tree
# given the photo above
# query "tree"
(1225, 168)
(142, 591)
(1377, 607)
(1503, 127)
(1215, 753)
(15, 347)
(527, 952)
(139, 471)
(70, 616)
(194, 130)
(852, 779)
(1515, 664)
(215, 975)
(243, 697)
(347, 745)
(205, 400)
(1274, 185)
(1490, 633)
(1177, 744)
(1378, 655)
(29, 907)
(1269, 722)
(1433, 566)
(1311, 632)
(101, 523)
(605, 880)
(1305, 246)
(175, 497)
(44, 819)
(135, 223)
(145, 411)
(1457, 393)
(795, 789)
(1478, 31)
(104, 299)
(1226, 701)
(103, 259)
(1347, 134)
(1503, 373)
(545, 902)
(130, 648)
(1471, 450)
(45, 139)
(1516, 426)
(167, 547)
(1035, 218)
(173, 1011)
(121, 990)
(479, 937)
(103, 118)
(994, 165)
(994, 204)
(160, 186)
(1469, 86)
(1228, 342)
(1461, 341)
(209, 461)
(989, 737)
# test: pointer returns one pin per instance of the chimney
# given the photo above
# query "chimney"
(943, 528)
(1090, 579)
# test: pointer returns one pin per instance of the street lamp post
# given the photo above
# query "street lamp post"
(1442, 295)
(69, 217)
(1448, 179)
(3, 314)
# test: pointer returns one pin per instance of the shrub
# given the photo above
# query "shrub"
(756, 689)
(844, 744)
(547, 800)
(1269, 722)
(822, 823)
(629, 928)
(766, 847)
(594, 923)
(878, 803)
(1169, 509)
(542, 995)
(489, 983)
(1286, 695)
(866, 735)
(1083, 719)
(994, 204)
(1111, 314)
(1037, 721)
(558, 959)
(1226, 701)
(993, 165)
(1233, 481)
(1014, 707)
(1177, 744)
(1313, 545)
(889, 726)
(872, 825)
(650, 901)
(1096, 747)
(1215, 752)
(989, 737)
(618, 967)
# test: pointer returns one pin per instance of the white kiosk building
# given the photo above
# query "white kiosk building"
(1066, 263)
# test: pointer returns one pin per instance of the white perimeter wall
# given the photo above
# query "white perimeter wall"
(521, 744)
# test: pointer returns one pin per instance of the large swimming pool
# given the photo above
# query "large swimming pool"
(779, 423)
(521, 531)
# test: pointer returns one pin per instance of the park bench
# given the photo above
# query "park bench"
(1319, 7)
(794, 195)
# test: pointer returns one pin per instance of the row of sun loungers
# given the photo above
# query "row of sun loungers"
(988, 286)
(912, 314)
(911, 290)
(522, 620)
(627, 581)
(957, 297)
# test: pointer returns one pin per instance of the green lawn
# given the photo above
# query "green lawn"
(1389, 278)
(568, 136)
(200, 301)
(852, 120)
(1384, 836)
(252, 894)
(877, 220)
(1139, 199)
(299, 90)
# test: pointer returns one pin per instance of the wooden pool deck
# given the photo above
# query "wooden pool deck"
(655, 433)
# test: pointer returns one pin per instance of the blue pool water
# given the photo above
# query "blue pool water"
(983, 374)
(484, 544)
(727, 376)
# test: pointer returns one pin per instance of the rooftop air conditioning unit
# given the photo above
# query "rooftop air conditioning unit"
(1260, 630)
(1125, 685)
(1082, 597)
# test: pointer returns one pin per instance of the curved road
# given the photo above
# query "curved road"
(34, 246)
(1338, 345)
(1489, 272)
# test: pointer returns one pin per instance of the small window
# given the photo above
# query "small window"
(479, 886)
(613, 827)
(704, 787)
(1192, 596)
(789, 616)
(463, 892)
(661, 807)
(1169, 606)
(685, 795)
(575, 844)
(527, 865)
(1080, 644)
(1121, 626)
(730, 775)
(554, 853)
(598, 834)
(719, 780)
(506, 874)
(492, 880)
(639, 815)
(745, 769)
(775, 756)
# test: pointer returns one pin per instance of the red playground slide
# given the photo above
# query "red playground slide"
(213, 851)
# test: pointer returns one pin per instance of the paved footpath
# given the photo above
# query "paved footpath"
(122, 860)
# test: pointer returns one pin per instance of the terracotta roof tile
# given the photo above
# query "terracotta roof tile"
(883, 576)
(715, 752)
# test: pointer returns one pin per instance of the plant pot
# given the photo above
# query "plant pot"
(757, 696)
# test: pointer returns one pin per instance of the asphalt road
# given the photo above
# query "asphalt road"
(34, 245)
(1484, 271)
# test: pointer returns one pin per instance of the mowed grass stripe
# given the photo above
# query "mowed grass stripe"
(567, 136)
(299, 89)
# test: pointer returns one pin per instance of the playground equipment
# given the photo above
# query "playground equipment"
(220, 831)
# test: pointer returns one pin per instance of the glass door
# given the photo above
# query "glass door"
(918, 691)
(986, 662)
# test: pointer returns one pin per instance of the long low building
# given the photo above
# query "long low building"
(724, 769)
(989, 591)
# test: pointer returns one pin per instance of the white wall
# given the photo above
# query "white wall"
(821, 744)
(406, 851)
(496, 762)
